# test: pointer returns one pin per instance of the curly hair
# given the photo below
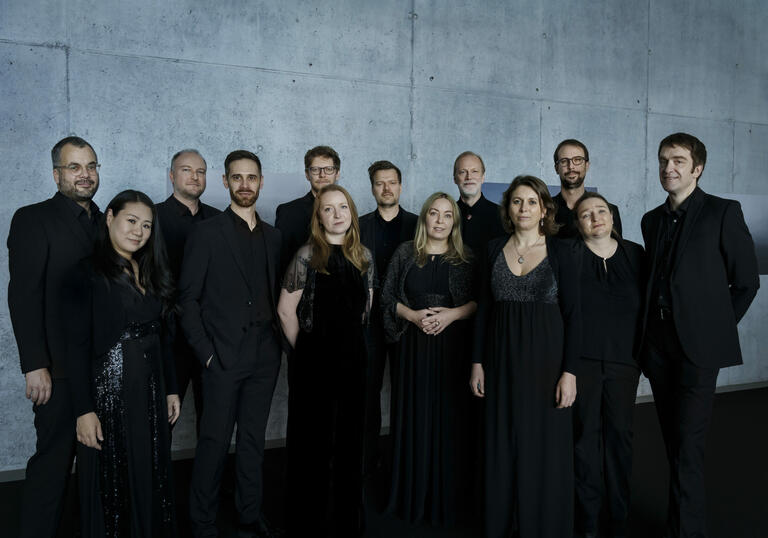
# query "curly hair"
(547, 225)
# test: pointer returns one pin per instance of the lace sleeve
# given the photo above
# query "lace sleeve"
(295, 277)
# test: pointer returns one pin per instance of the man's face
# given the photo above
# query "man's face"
(321, 172)
(571, 174)
(188, 176)
(676, 171)
(244, 182)
(469, 176)
(77, 173)
(386, 188)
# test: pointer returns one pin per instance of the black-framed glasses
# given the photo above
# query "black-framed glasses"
(91, 168)
(576, 161)
(315, 170)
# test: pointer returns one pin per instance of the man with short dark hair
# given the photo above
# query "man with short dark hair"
(45, 242)
(382, 230)
(571, 165)
(321, 167)
(480, 218)
(177, 215)
(703, 276)
(228, 294)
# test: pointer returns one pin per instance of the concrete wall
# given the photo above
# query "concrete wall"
(412, 81)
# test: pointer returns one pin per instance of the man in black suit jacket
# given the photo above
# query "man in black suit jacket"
(571, 165)
(703, 277)
(45, 243)
(382, 230)
(177, 215)
(321, 167)
(228, 292)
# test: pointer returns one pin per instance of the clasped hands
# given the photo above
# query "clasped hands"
(433, 320)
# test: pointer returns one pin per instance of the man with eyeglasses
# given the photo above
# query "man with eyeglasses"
(321, 168)
(46, 241)
(177, 215)
(571, 164)
(480, 218)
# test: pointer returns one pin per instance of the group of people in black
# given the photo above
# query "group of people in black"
(537, 304)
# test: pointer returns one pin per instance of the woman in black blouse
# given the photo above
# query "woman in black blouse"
(611, 287)
(324, 303)
(426, 295)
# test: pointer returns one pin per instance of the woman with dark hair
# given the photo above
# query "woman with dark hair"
(525, 350)
(324, 304)
(427, 294)
(122, 377)
(612, 284)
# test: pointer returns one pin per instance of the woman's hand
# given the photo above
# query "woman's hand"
(441, 317)
(565, 393)
(89, 430)
(477, 380)
(174, 407)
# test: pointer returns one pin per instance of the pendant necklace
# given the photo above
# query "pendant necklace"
(520, 258)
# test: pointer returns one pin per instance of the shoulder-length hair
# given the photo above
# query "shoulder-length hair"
(586, 196)
(547, 225)
(351, 246)
(154, 274)
(456, 254)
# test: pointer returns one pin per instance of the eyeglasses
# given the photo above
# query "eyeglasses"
(576, 161)
(315, 170)
(78, 168)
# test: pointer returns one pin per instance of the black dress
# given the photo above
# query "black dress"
(126, 487)
(326, 404)
(430, 403)
(529, 450)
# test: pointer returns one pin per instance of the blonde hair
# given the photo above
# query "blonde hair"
(455, 254)
(351, 246)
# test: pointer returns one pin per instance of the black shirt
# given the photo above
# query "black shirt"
(250, 243)
(176, 222)
(566, 217)
(480, 223)
(383, 237)
(669, 232)
(89, 220)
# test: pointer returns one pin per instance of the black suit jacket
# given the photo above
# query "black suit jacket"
(713, 280)
(214, 293)
(292, 219)
(45, 243)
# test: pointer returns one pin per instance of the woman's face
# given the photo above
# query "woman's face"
(335, 214)
(525, 208)
(439, 221)
(130, 228)
(595, 218)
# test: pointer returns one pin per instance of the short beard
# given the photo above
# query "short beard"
(565, 185)
(78, 196)
(387, 204)
(240, 202)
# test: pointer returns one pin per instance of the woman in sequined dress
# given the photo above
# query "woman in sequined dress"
(122, 378)
(525, 351)
(428, 294)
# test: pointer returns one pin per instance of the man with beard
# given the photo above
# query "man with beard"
(480, 218)
(321, 168)
(571, 164)
(45, 242)
(177, 215)
(228, 293)
(382, 230)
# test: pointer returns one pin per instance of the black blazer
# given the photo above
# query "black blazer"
(713, 280)
(45, 243)
(292, 219)
(214, 293)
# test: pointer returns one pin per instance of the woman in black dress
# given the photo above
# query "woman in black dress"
(525, 352)
(326, 297)
(122, 377)
(427, 293)
(612, 285)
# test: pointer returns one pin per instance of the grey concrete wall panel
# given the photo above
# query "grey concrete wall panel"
(751, 78)
(31, 22)
(495, 46)
(752, 339)
(344, 38)
(750, 158)
(716, 135)
(596, 52)
(616, 142)
(33, 113)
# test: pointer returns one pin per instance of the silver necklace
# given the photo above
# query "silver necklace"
(520, 258)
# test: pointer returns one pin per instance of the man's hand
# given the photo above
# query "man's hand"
(89, 430)
(39, 386)
(174, 408)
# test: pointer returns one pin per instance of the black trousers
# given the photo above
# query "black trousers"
(241, 394)
(603, 415)
(378, 350)
(684, 394)
(49, 469)
(188, 369)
